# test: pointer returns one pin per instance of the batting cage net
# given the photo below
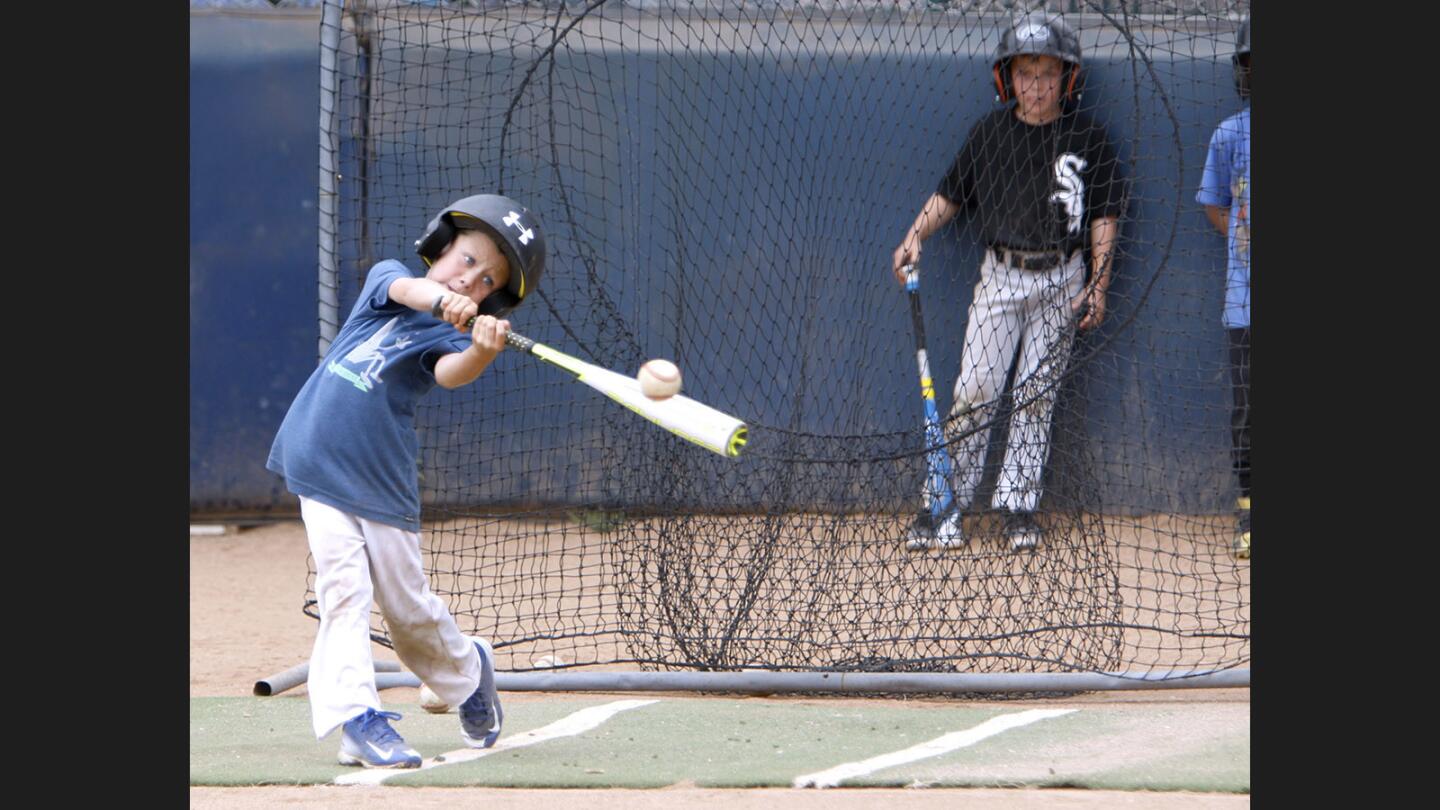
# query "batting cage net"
(725, 183)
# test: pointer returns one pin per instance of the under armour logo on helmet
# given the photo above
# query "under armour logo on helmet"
(1035, 32)
(525, 233)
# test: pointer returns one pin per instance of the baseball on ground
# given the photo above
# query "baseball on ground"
(431, 702)
(659, 379)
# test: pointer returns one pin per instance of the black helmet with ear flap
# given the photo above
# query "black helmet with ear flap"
(1241, 59)
(1039, 33)
(516, 232)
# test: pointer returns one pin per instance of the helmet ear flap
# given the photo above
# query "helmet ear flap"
(433, 243)
(1002, 95)
(499, 303)
(1074, 71)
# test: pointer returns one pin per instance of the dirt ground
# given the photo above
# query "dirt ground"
(246, 591)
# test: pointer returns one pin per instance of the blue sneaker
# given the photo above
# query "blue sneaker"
(370, 741)
(480, 714)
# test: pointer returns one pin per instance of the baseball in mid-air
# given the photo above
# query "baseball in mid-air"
(659, 379)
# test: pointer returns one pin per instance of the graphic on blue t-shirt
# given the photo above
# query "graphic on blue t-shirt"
(1240, 191)
(372, 354)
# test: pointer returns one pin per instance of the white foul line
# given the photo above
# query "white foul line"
(567, 726)
(935, 747)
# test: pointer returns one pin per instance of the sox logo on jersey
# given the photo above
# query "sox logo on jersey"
(1072, 189)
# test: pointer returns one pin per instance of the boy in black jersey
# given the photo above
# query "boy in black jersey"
(1044, 186)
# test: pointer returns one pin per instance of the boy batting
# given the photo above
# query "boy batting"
(1043, 183)
(348, 448)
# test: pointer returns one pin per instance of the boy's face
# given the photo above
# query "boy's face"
(472, 266)
(1036, 79)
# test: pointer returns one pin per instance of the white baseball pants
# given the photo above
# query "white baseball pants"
(357, 561)
(1012, 308)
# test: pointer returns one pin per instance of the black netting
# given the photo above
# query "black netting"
(723, 184)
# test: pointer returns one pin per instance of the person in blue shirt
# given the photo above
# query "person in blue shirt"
(1225, 194)
(348, 448)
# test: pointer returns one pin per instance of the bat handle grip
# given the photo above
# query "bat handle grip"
(519, 341)
(912, 277)
(438, 309)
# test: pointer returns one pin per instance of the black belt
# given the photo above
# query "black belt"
(1030, 259)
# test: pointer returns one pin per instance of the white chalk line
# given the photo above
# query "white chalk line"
(940, 745)
(567, 726)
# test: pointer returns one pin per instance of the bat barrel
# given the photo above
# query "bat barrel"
(737, 441)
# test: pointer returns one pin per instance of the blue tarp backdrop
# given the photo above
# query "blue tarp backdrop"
(254, 108)
(254, 112)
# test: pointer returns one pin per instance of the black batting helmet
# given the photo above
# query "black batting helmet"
(516, 232)
(1241, 59)
(1038, 33)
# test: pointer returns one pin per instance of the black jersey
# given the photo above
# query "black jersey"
(1036, 187)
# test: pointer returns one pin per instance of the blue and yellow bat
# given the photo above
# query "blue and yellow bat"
(937, 495)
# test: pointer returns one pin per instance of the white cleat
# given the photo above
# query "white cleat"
(948, 535)
(1023, 531)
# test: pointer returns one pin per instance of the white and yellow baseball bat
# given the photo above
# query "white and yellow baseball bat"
(686, 418)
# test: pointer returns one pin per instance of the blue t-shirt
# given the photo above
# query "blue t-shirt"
(1226, 184)
(349, 437)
